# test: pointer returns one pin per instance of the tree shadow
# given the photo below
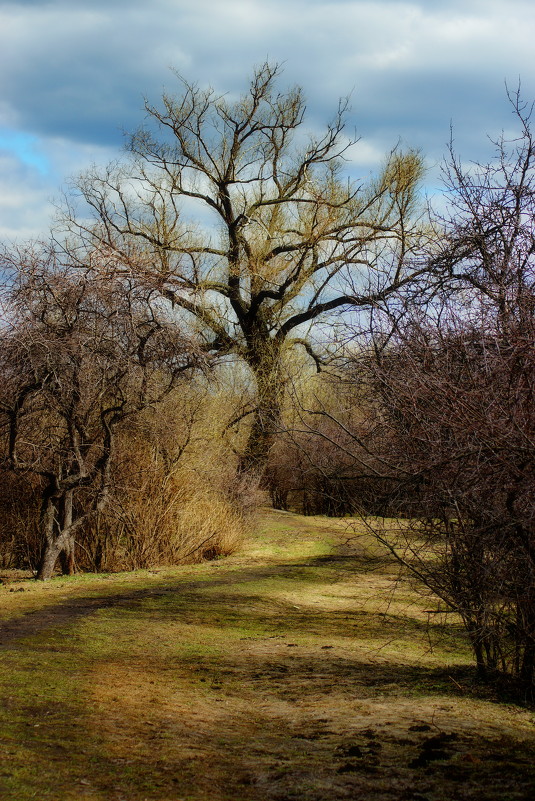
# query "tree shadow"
(282, 719)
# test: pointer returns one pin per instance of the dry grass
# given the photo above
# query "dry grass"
(176, 495)
(167, 520)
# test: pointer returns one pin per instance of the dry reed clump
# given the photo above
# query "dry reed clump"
(155, 519)
(164, 519)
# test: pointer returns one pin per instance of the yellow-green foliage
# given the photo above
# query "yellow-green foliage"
(177, 495)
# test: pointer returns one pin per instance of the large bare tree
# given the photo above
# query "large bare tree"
(250, 225)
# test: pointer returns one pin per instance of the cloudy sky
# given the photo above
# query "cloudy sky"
(74, 74)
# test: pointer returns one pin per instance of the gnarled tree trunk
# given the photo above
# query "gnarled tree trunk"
(56, 525)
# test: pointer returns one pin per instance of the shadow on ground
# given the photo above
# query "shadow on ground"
(225, 689)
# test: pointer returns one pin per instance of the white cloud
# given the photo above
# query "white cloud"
(24, 203)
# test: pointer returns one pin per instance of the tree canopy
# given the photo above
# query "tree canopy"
(286, 236)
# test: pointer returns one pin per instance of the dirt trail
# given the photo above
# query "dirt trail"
(264, 678)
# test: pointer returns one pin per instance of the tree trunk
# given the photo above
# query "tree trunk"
(527, 670)
(51, 547)
(260, 440)
(267, 417)
(61, 547)
(56, 521)
(48, 561)
(66, 556)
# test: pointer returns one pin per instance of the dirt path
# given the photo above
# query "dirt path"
(283, 673)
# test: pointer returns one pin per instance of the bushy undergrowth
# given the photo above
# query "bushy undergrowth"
(19, 521)
(176, 497)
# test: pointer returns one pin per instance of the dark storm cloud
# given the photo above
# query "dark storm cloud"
(75, 73)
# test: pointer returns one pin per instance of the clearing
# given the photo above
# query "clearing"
(299, 669)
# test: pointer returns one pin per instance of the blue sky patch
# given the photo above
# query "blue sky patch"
(26, 148)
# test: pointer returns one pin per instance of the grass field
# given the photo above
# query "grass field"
(302, 667)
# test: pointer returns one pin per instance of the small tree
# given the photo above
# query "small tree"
(457, 407)
(285, 237)
(79, 355)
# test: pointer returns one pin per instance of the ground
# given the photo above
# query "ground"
(302, 667)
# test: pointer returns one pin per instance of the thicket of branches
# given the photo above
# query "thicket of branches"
(447, 433)
(460, 430)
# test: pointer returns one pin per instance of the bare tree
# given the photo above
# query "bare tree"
(456, 408)
(285, 237)
(80, 353)
(452, 393)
